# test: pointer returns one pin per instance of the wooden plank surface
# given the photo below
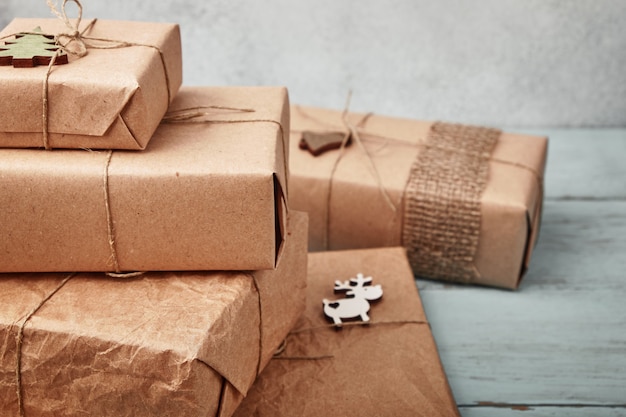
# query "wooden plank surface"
(558, 345)
(555, 411)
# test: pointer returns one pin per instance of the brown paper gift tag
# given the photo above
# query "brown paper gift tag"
(172, 343)
(207, 194)
(109, 99)
(351, 211)
(387, 368)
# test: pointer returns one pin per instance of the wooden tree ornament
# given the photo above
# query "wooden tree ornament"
(31, 49)
(360, 293)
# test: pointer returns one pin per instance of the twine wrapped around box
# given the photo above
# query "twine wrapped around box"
(212, 183)
(186, 115)
(39, 309)
(164, 343)
(436, 213)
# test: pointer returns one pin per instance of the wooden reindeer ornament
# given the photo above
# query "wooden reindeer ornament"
(359, 292)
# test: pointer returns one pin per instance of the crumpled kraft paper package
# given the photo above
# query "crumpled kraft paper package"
(389, 367)
(109, 99)
(209, 193)
(348, 208)
(162, 344)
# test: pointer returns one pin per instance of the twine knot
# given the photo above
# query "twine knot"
(72, 42)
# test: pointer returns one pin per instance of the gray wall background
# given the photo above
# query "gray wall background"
(524, 63)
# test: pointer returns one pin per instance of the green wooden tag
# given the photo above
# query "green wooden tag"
(29, 50)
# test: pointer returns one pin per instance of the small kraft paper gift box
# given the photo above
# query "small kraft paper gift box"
(113, 97)
(465, 201)
(208, 193)
(388, 367)
(161, 344)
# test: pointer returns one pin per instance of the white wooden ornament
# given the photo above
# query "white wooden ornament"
(359, 293)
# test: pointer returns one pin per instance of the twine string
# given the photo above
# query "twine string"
(107, 206)
(283, 346)
(111, 226)
(196, 115)
(304, 358)
(351, 131)
(63, 47)
(20, 338)
(421, 143)
(357, 138)
(74, 36)
(44, 123)
(260, 301)
(341, 151)
(124, 275)
(357, 323)
(191, 113)
(20, 342)
(63, 15)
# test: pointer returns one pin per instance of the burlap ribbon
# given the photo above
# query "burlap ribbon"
(442, 212)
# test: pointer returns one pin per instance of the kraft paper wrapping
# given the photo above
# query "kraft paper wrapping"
(387, 368)
(108, 99)
(357, 215)
(163, 344)
(207, 194)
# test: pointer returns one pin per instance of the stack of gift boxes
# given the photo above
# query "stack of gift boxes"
(154, 254)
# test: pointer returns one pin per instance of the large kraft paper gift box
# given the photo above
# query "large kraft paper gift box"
(389, 367)
(465, 201)
(162, 344)
(208, 193)
(112, 98)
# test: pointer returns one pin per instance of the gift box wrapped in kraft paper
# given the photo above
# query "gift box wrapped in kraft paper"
(113, 97)
(161, 344)
(389, 367)
(208, 193)
(465, 201)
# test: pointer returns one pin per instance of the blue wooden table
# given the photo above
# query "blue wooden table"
(556, 347)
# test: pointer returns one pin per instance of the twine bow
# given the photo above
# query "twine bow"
(75, 37)
(352, 131)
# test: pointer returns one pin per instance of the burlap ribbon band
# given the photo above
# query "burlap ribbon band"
(442, 212)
